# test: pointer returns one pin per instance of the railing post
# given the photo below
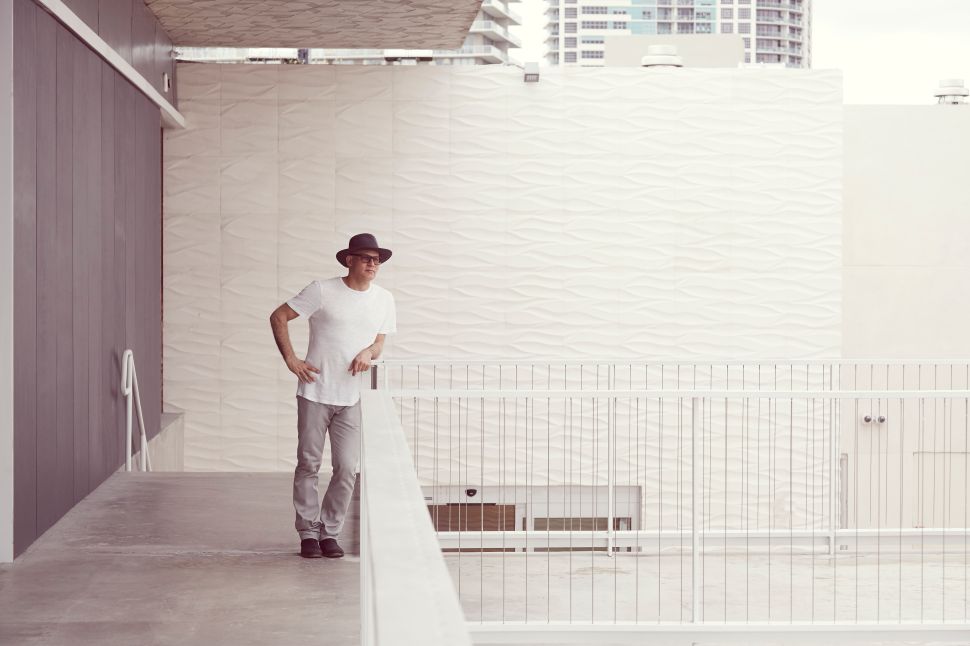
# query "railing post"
(143, 437)
(843, 489)
(128, 432)
(695, 515)
(129, 388)
(833, 479)
(610, 476)
(126, 387)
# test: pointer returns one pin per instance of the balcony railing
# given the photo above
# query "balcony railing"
(792, 20)
(486, 52)
(772, 4)
(771, 496)
(500, 9)
(490, 27)
(772, 48)
(234, 54)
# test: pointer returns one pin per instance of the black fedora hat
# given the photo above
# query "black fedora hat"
(360, 242)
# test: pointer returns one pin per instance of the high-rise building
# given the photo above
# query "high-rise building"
(488, 41)
(489, 38)
(774, 31)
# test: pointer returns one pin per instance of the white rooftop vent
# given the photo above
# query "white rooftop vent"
(531, 72)
(952, 91)
(661, 56)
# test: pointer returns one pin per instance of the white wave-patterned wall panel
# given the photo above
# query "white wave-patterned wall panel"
(599, 212)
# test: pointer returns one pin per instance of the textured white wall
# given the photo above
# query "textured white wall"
(600, 212)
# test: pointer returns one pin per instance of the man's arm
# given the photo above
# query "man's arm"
(279, 320)
(361, 362)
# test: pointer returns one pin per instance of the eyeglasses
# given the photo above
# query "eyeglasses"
(367, 259)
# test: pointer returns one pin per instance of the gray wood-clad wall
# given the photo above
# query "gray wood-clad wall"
(87, 267)
(132, 30)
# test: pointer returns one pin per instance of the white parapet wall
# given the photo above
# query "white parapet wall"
(598, 212)
(907, 239)
(167, 449)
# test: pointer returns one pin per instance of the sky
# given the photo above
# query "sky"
(890, 51)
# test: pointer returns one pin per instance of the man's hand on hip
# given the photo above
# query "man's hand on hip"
(361, 362)
(302, 369)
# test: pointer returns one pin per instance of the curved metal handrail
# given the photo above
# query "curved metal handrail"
(129, 387)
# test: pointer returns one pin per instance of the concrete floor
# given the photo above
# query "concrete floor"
(587, 586)
(181, 558)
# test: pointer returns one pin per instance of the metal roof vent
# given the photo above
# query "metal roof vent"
(530, 73)
(661, 56)
(952, 92)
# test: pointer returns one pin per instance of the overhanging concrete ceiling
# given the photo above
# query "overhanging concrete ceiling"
(368, 24)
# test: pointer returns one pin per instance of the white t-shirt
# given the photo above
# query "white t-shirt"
(343, 321)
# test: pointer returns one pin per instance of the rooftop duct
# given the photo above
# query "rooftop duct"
(952, 92)
(661, 56)
(531, 72)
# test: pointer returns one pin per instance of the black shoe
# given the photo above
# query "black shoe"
(310, 548)
(330, 549)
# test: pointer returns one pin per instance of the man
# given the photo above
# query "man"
(349, 317)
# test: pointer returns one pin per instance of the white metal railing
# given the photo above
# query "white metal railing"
(791, 6)
(830, 493)
(474, 51)
(129, 389)
(503, 9)
(316, 55)
(491, 26)
(406, 594)
(791, 20)
(233, 54)
(709, 374)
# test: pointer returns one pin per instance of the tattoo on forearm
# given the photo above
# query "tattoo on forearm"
(281, 334)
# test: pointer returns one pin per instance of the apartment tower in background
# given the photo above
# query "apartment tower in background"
(488, 41)
(774, 31)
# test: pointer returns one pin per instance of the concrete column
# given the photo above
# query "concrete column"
(6, 281)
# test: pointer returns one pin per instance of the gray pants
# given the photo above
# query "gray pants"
(314, 421)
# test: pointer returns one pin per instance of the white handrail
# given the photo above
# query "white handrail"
(129, 387)
(695, 361)
(684, 394)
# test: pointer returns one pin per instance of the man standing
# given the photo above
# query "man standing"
(348, 317)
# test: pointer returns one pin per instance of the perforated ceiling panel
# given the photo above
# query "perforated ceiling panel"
(411, 24)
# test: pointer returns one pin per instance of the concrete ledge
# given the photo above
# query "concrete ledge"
(807, 634)
(407, 595)
(167, 449)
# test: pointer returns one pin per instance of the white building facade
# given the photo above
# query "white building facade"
(776, 32)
